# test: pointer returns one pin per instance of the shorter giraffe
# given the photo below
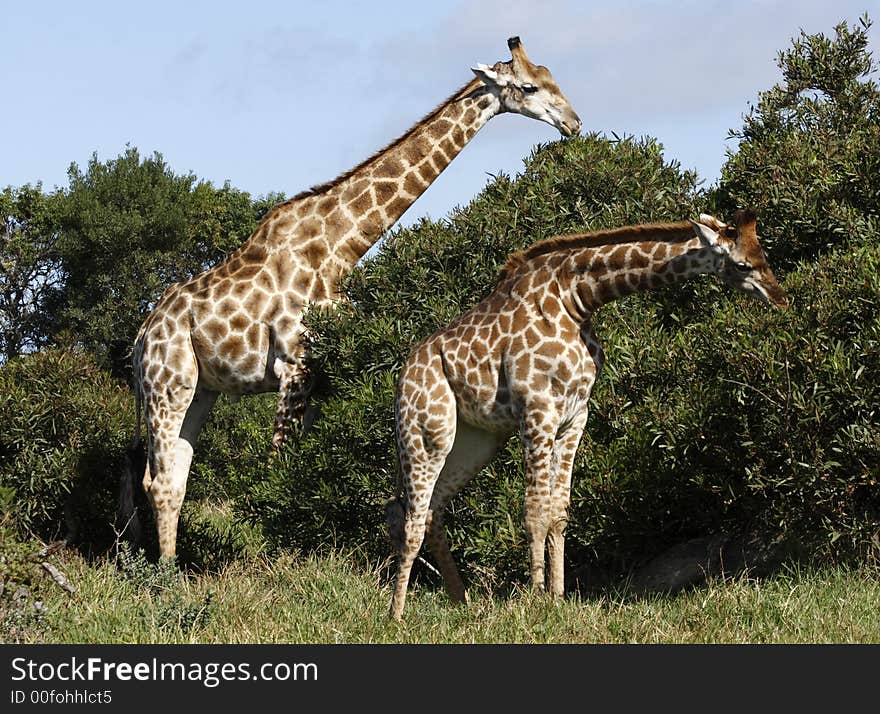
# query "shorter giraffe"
(525, 360)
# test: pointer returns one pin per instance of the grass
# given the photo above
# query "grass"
(336, 598)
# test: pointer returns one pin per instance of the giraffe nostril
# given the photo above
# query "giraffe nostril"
(571, 125)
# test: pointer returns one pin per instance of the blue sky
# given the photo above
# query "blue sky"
(278, 96)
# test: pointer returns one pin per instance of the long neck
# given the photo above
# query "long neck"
(379, 191)
(601, 274)
(333, 225)
(373, 196)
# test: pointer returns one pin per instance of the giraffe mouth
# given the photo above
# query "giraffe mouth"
(768, 294)
(779, 301)
(569, 129)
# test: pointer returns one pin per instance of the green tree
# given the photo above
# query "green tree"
(808, 156)
(29, 267)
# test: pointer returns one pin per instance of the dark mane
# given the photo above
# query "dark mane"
(670, 232)
(468, 88)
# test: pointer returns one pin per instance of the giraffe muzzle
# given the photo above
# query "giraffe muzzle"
(570, 127)
(768, 293)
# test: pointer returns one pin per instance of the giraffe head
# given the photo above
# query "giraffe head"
(742, 262)
(529, 89)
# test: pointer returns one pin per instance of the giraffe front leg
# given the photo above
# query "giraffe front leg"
(564, 451)
(537, 434)
(292, 406)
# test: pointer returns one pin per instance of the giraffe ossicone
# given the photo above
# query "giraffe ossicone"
(523, 361)
(237, 327)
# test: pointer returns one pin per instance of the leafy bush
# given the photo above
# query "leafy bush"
(754, 420)
(164, 601)
(64, 426)
(21, 610)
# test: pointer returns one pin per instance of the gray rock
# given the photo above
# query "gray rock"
(693, 562)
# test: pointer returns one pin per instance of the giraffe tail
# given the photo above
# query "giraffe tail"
(128, 521)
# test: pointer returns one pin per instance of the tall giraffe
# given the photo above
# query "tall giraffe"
(237, 328)
(525, 360)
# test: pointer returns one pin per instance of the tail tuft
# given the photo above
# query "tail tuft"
(128, 522)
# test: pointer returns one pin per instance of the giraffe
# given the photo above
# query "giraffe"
(237, 327)
(524, 360)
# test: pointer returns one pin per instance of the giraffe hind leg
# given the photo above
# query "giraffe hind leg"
(170, 456)
(473, 449)
(423, 444)
(128, 525)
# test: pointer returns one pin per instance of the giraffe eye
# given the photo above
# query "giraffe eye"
(529, 88)
(743, 267)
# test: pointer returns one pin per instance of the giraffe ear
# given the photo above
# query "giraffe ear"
(708, 237)
(712, 222)
(489, 75)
